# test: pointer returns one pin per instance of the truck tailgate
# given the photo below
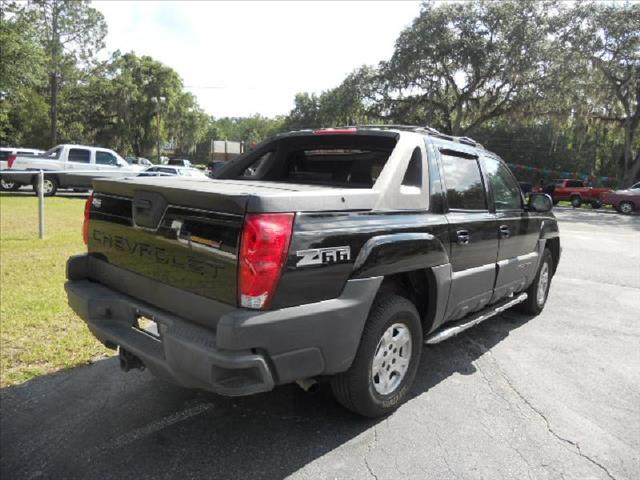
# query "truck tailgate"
(181, 237)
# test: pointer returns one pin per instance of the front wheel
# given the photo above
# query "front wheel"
(386, 362)
(626, 207)
(595, 204)
(538, 291)
(576, 202)
(49, 184)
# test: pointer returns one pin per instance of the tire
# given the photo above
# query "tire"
(576, 201)
(555, 202)
(626, 207)
(536, 294)
(369, 395)
(596, 204)
(50, 186)
(9, 186)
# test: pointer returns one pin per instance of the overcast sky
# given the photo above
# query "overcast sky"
(243, 58)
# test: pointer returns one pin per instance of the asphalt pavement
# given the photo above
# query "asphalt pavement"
(551, 397)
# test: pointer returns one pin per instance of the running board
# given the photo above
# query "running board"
(474, 320)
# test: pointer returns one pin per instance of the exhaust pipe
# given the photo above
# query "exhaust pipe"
(128, 361)
(309, 385)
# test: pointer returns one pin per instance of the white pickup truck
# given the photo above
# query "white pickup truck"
(71, 166)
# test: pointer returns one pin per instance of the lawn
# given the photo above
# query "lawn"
(39, 333)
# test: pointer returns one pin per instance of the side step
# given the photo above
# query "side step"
(478, 317)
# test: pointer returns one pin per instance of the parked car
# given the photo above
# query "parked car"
(171, 170)
(5, 153)
(577, 193)
(179, 162)
(88, 162)
(145, 162)
(330, 254)
(625, 201)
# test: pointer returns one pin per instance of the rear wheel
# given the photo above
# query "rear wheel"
(50, 186)
(9, 186)
(595, 204)
(538, 291)
(386, 362)
(576, 202)
(626, 207)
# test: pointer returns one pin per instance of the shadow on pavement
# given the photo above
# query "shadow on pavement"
(97, 422)
(597, 217)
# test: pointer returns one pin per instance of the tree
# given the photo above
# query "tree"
(70, 32)
(605, 38)
(21, 71)
(460, 65)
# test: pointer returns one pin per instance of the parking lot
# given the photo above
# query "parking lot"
(556, 396)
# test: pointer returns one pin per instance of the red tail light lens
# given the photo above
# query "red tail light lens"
(263, 252)
(332, 131)
(85, 225)
(10, 160)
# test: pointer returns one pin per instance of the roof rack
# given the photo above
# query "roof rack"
(424, 129)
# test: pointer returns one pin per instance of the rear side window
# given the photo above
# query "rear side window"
(413, 175)
(574, 184)
(465, 190)
(79, 155)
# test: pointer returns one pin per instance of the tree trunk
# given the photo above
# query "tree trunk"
(53, 85)
(631, 166)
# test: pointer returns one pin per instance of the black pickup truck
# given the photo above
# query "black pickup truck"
(329, 254)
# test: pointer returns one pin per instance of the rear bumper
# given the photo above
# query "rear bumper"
(247, 352)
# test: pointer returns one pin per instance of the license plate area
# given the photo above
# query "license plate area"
(148, 326)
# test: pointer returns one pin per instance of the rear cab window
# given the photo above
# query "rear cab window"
(344, 161)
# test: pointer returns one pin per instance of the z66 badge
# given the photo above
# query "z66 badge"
(323, 256)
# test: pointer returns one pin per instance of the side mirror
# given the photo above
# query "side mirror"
(539, 202)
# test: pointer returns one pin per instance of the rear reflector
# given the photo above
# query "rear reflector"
(263, 253)
(10, 160)
(333, 131)
(85, 224)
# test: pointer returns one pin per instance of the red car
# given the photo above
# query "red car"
(625, 201)
(577, 193)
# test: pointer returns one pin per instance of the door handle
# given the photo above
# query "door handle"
(505, 232)
(462, 237)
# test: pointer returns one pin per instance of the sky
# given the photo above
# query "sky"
(243, 58)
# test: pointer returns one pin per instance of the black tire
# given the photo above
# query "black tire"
(555, 202)
(532, 305)
(355, 389)
(51, 186)
(626, 207)
(595, 204)
(6, 186)
(576, 201)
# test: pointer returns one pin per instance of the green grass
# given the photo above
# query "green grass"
(39, 333)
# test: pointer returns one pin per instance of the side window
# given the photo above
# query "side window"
(79, 155)
(413, 175)
(465, 190)
(575, 184)
(506, 192)
(106, 158)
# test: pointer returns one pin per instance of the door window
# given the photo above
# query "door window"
(79, 155)
(574, 184)
(465, 190)
(506, 192)
(106, 158)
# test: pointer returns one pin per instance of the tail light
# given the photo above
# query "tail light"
(85, 225)
(333, 131)
(263, 252)
(10, 160)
